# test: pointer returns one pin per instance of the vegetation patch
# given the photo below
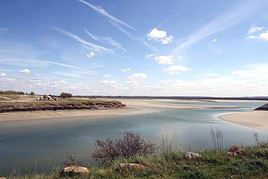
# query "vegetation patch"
(132, 157)
(61, 104)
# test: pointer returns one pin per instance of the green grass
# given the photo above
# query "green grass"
(253, 164)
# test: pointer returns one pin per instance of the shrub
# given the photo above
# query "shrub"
(66, 95)
(70, 160)
(129, 145)
(10, 92)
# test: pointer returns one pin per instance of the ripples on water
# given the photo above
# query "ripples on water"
(26, 145)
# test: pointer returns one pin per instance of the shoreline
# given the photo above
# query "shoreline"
(133, 107)
(252, 119)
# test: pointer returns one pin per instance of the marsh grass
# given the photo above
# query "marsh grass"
(166, 145)
(256, 138)
(217, 138)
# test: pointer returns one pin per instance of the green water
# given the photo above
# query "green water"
(34, 146)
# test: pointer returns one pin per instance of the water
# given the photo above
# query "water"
(38, 146)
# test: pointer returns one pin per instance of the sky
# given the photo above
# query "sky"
(152, 47)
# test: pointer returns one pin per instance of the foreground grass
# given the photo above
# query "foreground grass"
(61, 104)
(252, 164)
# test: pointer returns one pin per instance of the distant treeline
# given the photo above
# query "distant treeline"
(182, 97)
(16, 92)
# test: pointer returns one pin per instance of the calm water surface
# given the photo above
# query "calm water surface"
(29, 146)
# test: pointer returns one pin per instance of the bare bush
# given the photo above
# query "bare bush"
(70, 160)
(130, 144)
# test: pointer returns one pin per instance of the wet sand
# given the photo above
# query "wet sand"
(253, 119)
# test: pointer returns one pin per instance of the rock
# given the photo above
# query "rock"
(192, 156)
(76, 170)
(133, 166)
(235, 150)
(3, 178)
(263, 107)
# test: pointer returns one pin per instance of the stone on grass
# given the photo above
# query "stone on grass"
(76, 170)
(192, 156)
(235, 150)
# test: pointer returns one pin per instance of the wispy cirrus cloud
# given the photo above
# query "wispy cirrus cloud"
(84, 43)
(103, 12)
(122, 26)
(107, 40)
(125, 70)
(237, 14)
(79, 74)
(21, 62)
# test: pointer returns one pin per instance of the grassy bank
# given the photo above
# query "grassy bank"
(61, 104)
(214, 164)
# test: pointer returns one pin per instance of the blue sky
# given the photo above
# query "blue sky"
(152, 47)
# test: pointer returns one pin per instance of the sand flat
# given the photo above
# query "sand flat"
(253, 119)
(134, 106)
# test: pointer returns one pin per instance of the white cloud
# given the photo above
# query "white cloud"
(264, 36)
(108, 82)
(161, 59)
(160, 36)
(250, 80)
(252, 37)
(137, 76)
(26, 71)
(211, 75)
(107, 76)
(91, 54)
(215, 40)
(254, 29)
(253, 71)
(125, 70)
(136, 79)
(175, 69)
(3, 74)
(150, 55)
(261, 36)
